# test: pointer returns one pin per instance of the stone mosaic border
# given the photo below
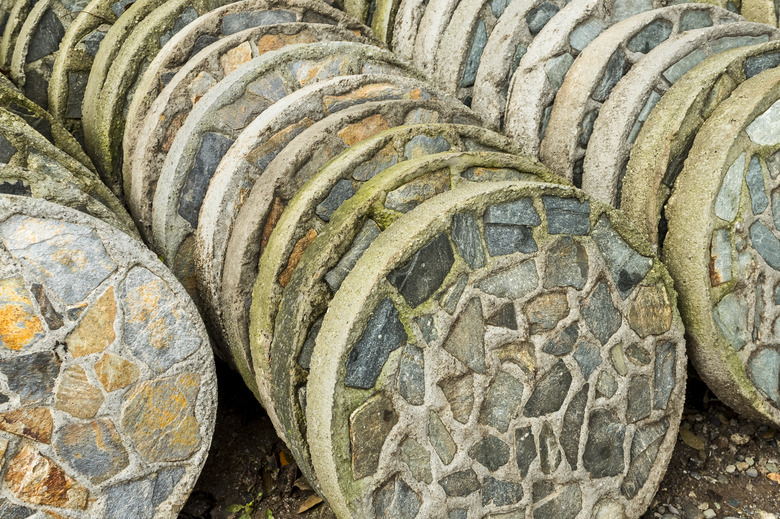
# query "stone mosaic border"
(429, 33)
(369, 430)
(13, 25)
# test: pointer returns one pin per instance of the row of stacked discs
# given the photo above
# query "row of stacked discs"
(437, 324)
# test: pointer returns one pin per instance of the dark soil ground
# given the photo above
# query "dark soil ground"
(723, 466)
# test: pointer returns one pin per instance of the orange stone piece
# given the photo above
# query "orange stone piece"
(36, 479)
(35, 423)
(271, 42)
(76, 396)
(18, 323)
(295, 256)
(96, 329)
(114, 372)
(364, 129)
(236, 57)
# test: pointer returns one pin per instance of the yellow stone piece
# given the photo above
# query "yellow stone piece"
(36, 479)
(35, 423)
(114, 372)
(364, 129)
(651, 313)
(96, 330)
(76, 396)
(236, 57)
(19, 324)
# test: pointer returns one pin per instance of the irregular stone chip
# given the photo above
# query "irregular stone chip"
(369, 425)
(94, 449)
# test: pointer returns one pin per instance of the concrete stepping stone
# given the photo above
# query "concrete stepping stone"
(465, 40)
(405, 26)
(43, 122)
(13, 25)
(145, 146)
(383, 19)
(666, 137)
(722, 248)
(429, 33)
(762, 11)
(109, 392)
(628, 106)
(22, 146)
(5, 11)
(246, 102)
(453, 376)
(46, 179)
(227, 255)
(591, 78)
(331, 254)
(543, 67)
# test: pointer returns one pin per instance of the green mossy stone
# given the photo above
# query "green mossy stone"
(480, 397)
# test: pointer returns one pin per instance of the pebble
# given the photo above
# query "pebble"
(742, 466)
(731, 469)
(709, 514)
(753, 473)
(739, 439)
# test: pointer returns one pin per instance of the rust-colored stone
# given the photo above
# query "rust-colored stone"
(651, 313)
(276, 142)
(271, 42)
(295, 256)
(3, 448)
(76, 396)
(35, 423)
(19, 324)
(96, 329)
(236, 57)
(200, 85)
(114, 372)
(364, 129)
(364, 92)
(36, 479)
(546, 310)
(172, 131)
(160, 419)
(270, 223)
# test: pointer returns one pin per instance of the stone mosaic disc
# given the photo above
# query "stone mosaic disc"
(407, 22)
(246, 103)
(506, 45)
(46, 179)
(665, 138)
(238, 245)
(446, 359)
(109, 387)
(723, 250)
(43, 122)
(543, 67)
(352, 226)
(16, 18)
(146, 146)
(600, 67)
(464, 42)
(623, 113)
(20, 144)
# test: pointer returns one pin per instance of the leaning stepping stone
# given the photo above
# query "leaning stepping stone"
(352, 226)
(601, 66)
(465, 41)
(446, 360)
(762, 11)
(110, 390)
(407, 22)
(22, 146)
(5, 11)
(16, 18)
(665, 138)
(46, 179)
(622, 114)
(722, 247)
(43, 122)
(383, 19)
(542, 69)
(248, 99)
(148, 140)
(273, 189)
(430, 31)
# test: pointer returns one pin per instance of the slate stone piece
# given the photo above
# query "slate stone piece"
(418, 279)
(567, 215)
(550, 391)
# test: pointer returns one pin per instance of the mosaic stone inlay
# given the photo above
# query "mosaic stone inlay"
(501, 426)
(108, 382)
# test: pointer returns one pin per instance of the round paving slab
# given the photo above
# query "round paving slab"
(352, 226)
(722, 247)
(237, 245)
(13, 25)
(621, 116)
(592, 77)
(429, 33)
(146, 146)
(445, 360)
(109, 387)
(22, 146)
(407, 22)
(666, 137)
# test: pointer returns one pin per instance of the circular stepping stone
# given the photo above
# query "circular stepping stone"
(251, 93)
(148, 140)
(382, 19)
(22, 146)
(13, 25)
(600, 67)
(407, 22)
(43, 122)
(542, 69)
(109, 387)
(628, 106)
(450, 374)
(665, 138)
(236, 245)
(48, 180)
(352, 226)
(465, 41)
(722, 248)
(506, 45)
(762, 11)
(430, 31)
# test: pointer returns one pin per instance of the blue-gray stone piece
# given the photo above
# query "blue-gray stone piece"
(695, 19)
(459, 513)
(538, 17)
(46, 38)
(9, 510)
(644, 450)
(396, 500)
(236, 22)
(565, 505)
(411, 375)
(730, 315)
(555, 69)
(368, 233)
(460, 484)
(600, 314)
(518, 212)
(525, 449)
(475, 55)
(94, 449)
(17, 187)
(450, 299)
(500, 493)
(507, 239)
(427, 327)
(203, 41)
(623, 9)
(541, 489)
(638, 399)
(32, 376)
(490, 452)
(615, 69)
(307, 350)
(77, 84)
(764, 371)
(7, 150)
(588, 357)
(650, 36)
(766, 244)
(585, 33)
(121, 6)
(563, 342)
(468, 240)
(384, 333)
(567, 215)
(466, 339)
(504, 317)
(130, 499)
(337, 196)
(420, 145)
(166, 481)
(603, 454)
(664, 374)
(567, 264)
(550, 391)
(92, 41)
(498, 7)
(587, 127)
(756, 187)
(776, 207)
(549, 451)
(627, 266)
(571, 429)
(213, 147)
(185, 18)
(754, 65)
(424, 273)
(502, 403)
